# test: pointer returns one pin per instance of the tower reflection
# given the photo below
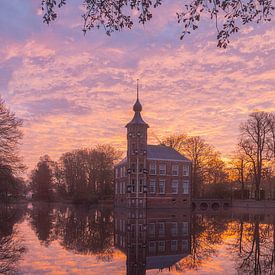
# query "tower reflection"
(152, 239)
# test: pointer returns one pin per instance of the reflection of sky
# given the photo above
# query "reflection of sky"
(75, 91)
(55, 260)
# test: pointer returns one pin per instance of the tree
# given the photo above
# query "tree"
(240, 171)
(10, 162)
(42, 180)
(115, 15)
(255, 135)
(87, 174)
(207, 166)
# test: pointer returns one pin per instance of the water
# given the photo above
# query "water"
(62, 239)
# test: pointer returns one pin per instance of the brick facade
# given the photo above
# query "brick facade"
(152, 176)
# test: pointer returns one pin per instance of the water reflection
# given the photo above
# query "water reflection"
(11, 247)
(151, 240)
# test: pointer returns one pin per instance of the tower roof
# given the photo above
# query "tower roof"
(137, 119)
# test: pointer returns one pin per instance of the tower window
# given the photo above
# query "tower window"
(140, 186)
(133, 186)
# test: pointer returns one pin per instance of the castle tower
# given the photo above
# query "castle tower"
(137, 157)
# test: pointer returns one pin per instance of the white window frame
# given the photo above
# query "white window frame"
(161, 228)
(185, 187)
(162, 183)
(186, 170)
(175, 170)
(161, 246)
(152, 168)
(174, 229)
(175, 183)
(162, 167)
(174, 245)
(185, 228)
(152, 186)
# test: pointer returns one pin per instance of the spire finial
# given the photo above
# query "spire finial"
(137, 89)
(137, 107)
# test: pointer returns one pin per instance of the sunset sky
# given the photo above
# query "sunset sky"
(76, 91)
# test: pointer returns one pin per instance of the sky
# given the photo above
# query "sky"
(75, 91)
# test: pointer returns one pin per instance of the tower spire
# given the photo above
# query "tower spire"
(137, 89)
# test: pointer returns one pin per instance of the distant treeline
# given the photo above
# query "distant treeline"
(84, 175)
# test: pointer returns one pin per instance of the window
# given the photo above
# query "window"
(120, 188)
(133, 165)
(161, 247)
(162, 186)
(116, 172)
(174, 229)
(162, 169)
(161, 228)
(175, 170)
(151, 229)
(152, 247)
(175, 184)
(116, 187)
(140, 186)
(185, 187)
(185, 228)
(185, 246)
(123, 188)
(133, 186)
(174, 245)
(152, 187)
(153, 170)
(186, 170)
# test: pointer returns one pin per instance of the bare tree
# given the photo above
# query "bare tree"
(10, 135)
(254, 144)
(115, 15)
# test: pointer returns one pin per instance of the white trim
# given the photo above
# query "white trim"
(187, 161)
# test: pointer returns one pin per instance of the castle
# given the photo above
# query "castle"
(151, 176)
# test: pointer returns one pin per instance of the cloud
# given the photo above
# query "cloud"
(74, 91)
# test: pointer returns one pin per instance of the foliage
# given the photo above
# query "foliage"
(115, 15)
(42, 180)
(207, 166)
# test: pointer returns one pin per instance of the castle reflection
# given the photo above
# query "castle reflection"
(152, 239)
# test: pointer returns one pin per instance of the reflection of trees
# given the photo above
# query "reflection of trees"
(254, 248)
(11, 248)
(206, 234)
(86, 232)
(42, 222)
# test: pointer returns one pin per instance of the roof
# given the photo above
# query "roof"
(164, 153)
(163, 261)
(161, 152)
(137, 119)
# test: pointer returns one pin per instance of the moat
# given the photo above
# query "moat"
(63, 239)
